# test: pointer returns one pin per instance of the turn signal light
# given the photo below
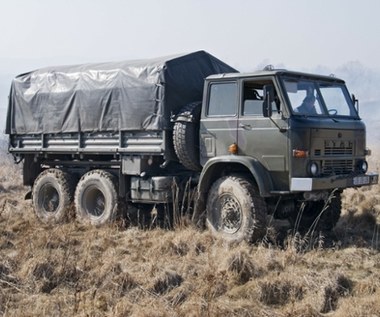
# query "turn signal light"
(300, 153)
(233, 148)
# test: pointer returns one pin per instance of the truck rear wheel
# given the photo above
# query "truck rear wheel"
(96, 198)
(235, 210)
(52, 195)
(186, 136)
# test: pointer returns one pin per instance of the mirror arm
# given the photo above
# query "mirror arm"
(281, 129)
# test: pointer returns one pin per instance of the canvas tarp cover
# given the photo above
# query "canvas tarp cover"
(130, 95)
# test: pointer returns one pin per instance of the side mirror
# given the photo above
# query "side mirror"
(268, 99)
(353, 99)
(267, 108)
(355, 102)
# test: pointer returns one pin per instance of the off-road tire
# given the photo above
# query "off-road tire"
(235, 210)
(312, 217)
(186, 137)
(96, 198)
(52, 193)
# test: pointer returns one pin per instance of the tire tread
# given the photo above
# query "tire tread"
(66, 191)
(258, 208)
(112, 182)
(185, 138)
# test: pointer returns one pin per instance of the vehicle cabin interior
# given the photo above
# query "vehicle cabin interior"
(253, 99)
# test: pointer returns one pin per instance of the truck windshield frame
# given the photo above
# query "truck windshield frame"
(318, 97)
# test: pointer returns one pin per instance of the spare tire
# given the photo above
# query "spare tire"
(186, 136)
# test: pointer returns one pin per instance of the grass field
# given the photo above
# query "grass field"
(77, 270)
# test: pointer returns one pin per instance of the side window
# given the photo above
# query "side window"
(253, 98)
(222, 99)
(253, 101)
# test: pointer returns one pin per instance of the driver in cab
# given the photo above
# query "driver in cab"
(307, 105)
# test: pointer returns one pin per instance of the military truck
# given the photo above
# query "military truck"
(121, 136)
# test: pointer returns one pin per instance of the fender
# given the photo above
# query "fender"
(257, 170)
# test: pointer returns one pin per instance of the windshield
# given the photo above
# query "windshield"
(319, 98)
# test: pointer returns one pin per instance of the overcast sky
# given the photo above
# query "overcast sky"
(296, 34)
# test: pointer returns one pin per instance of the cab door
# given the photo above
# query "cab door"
(262, 138)
(219, 123)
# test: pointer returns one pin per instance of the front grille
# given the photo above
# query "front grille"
(337, 167)
(338, 148)
(335, 156)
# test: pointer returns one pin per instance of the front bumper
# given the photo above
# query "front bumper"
(298, 184)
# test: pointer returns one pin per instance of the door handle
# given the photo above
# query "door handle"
(245, 126)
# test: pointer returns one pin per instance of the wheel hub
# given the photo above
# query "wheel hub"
(50, 196)
(94, 201)
(230, 214)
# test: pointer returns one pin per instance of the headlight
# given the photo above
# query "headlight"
(313, 169)
(363, 166)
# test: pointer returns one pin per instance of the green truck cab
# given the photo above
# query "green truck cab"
(292, 141)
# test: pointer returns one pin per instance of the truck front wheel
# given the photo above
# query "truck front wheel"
(52, 195)
(235, 210)
(96, 199)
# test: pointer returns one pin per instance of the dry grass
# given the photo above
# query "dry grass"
(76, 270)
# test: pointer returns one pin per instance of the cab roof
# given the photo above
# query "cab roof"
(275, 73)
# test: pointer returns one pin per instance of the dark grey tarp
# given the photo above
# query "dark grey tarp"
(129, 95)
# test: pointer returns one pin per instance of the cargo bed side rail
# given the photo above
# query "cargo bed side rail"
(123, 142)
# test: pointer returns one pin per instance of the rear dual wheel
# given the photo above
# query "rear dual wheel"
(96, 198)
(52, 195)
